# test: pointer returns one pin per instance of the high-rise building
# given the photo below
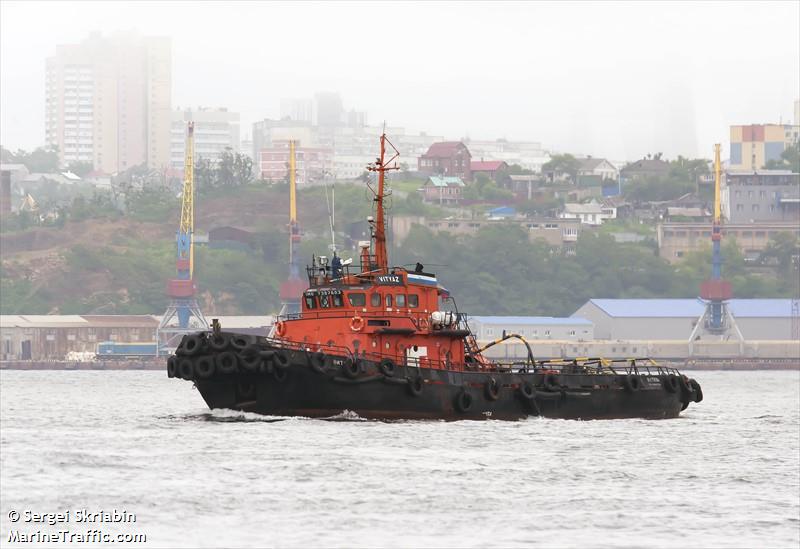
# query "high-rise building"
(297, 109)
(755, 145)
(330, 112)
(108, 101)
(214, 131)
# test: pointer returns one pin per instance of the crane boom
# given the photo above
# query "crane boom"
(717, 207)
(186, 228)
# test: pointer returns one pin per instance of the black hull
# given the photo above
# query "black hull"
(326, 388)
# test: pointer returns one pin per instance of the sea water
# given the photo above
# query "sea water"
(100, 444)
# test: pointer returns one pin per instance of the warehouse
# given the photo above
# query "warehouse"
(52, 337)
(674, 319)
(488, 328)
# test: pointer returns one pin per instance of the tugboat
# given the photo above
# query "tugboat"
(389, 343)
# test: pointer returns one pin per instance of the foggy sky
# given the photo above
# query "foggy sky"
(616, 80)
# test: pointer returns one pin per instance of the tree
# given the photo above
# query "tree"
(563, 163)
(790, 159)
(41, 160)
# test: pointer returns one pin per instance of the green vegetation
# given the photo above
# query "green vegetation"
(682, 178)
(40, 160)
(790, 159)
(231, 169)
(563, 163)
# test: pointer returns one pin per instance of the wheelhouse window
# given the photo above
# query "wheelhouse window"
(338, 300)
(375, 300)
(325, 301)
(388, 300)
(413, 301)
(357, 299)
(311, 303)
(401, 300)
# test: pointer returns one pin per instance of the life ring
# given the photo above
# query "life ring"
(204, 367)
(632, 383)
(172, 366)
(424, 324)
(670, 383)
(186, 369)
(416, 385)
(280, 328)
(387, 367)
(463, 401)
(356, 323)
(226, 362)
(492, 389)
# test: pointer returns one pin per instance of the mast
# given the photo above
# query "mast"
(294, 229)
(381, 166)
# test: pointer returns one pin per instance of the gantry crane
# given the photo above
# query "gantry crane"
(715, 292)
(292, 288)
(183, 314)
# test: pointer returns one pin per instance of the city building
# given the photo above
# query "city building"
(674, 319)
(313, 164)
(599, 167)
(443, 189)
(592, 213)
(762, 195)
(489, 168)
(675, 240)
(646, 167)
(449, 158)
(559, 234)
(330, 111)
(754, 145)
(108, 101)
(215, 130)
(488, 328)
(299, 109)
(52, 337)
(526, 154)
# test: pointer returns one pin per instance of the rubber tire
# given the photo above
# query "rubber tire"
(280, 360)
(387, 367)
(416, 386)
(172, 366)
(551, 383)
(698, 391)
(239, 342)
(250, 359)
(351, 368)
(219, 342)
(632, 383)
(227, 362)
(186, 369)
(318, 362)
(492, 389)
(463, 401)
(280, 374)
(527, 391)
(191, 344)
(204, 367)
(670, 383)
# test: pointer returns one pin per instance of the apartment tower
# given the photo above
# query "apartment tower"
(108, 101)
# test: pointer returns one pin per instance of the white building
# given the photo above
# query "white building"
(591, 213)
(488, 328)
(214, 131)
(527, 154)
(300, 109)
(598, 166)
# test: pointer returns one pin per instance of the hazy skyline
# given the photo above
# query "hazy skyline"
(613, 79)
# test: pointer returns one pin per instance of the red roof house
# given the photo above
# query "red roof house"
(487, 167)
(449, 158)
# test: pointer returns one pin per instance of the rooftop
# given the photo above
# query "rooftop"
(531, 320)
(445, 181)
(486, 165)
(444, 149)
(692, 308)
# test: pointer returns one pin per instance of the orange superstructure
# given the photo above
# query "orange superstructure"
(377, 310)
